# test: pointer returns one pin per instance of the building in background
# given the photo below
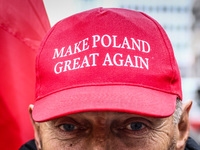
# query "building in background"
(196, 36)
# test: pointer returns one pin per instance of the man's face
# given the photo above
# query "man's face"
(107, 131)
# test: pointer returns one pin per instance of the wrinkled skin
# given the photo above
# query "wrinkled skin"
(112, 131)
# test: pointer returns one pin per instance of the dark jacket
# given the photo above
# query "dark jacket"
(190, 145)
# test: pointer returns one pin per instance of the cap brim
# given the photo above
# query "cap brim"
(121, 98)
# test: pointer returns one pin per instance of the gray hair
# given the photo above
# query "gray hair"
(178, 111)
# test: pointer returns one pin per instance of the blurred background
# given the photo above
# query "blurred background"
(23, 24)
(181, 21)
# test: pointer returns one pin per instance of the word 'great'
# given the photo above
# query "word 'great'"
(90, 61)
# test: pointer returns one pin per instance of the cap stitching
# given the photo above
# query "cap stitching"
(164, 39)
(104, 84)
(39, 54)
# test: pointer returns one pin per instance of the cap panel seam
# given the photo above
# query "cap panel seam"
(38, 57)
(164, 40)
(104, 84)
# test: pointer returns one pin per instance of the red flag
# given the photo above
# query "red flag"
(22, 27)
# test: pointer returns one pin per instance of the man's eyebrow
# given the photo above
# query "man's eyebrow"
(60, 118)
(80, 115)
(140, 116)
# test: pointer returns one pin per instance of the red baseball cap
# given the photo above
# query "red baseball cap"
(106, 59)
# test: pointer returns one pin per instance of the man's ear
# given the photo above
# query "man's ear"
(184, 126)
(36, 127)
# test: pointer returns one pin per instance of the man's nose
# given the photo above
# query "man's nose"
(100, 139)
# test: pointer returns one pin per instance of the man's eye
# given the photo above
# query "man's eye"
(68, 127)
(135, 126)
